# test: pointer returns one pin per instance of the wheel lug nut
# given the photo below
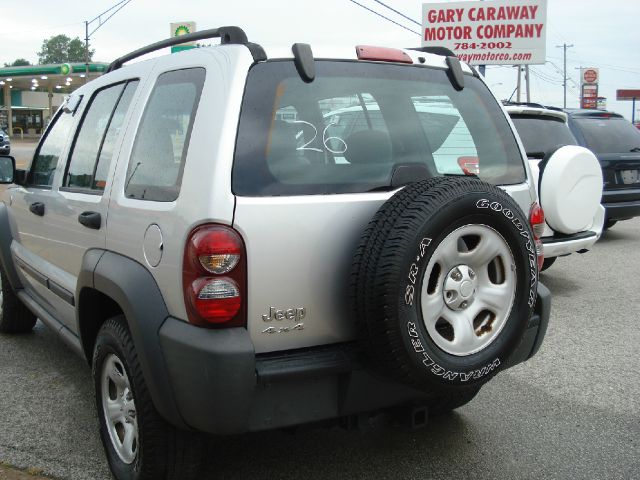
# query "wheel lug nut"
(463, 305)
(456, 275)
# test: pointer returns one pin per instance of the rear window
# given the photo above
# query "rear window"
(349, 129)
(541, 133)
(609, 134)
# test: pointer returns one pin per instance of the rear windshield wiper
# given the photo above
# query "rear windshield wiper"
(635, 149)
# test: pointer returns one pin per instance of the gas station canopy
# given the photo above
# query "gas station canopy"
(51, 79)
(63, 77)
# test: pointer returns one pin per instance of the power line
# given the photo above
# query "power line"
(399, 13)
(599, 64)
(386, 18)
(544, 78)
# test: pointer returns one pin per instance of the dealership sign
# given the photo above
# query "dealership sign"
(501, 32)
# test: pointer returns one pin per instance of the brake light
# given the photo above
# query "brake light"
(214, 277)
(536, 219)
(382, 54)
(469, 165)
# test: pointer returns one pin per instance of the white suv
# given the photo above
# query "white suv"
(570, 191)
(221, 272)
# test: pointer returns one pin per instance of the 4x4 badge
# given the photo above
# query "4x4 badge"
(295, 314)
(297, 326)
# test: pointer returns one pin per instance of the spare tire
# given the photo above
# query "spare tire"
(570, 187)
(444, 282)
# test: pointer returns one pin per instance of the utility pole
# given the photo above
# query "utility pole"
(110, 12)
(564, 46)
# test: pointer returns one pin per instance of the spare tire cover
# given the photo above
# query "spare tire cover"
(444, 283)
(570, 188)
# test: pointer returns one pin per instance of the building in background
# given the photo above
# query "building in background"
(32, 94)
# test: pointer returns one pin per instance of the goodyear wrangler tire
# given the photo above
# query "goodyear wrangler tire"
(444, 282)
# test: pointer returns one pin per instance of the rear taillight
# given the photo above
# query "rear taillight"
(469, 165)
(214, 277)
(536, 219)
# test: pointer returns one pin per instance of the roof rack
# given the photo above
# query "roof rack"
(227, 35)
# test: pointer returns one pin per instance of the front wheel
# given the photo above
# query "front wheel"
(139, 444)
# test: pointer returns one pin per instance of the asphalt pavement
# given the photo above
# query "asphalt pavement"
(572, 412)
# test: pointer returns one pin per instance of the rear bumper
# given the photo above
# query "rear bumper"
(558, 245)
(222, 387)
(621, 204)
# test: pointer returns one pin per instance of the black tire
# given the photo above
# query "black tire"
(162, 451)
(390, 264)
(609, 223)
(15, 317)
(547, 263)
(449, 401)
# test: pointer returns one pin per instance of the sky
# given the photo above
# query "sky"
(603, 34)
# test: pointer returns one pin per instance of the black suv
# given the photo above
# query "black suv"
(5, 144)
(616, 143)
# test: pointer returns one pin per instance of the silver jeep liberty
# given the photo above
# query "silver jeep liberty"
(239, 239)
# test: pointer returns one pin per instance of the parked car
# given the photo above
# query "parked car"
(221, 272)
(5, 143)
(616, 143)
(543, 131)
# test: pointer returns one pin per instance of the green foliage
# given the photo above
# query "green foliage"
(62, 49)
(18, 62)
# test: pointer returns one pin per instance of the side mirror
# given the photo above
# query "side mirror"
(7, 169)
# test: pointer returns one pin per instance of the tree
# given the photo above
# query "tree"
(18, 62)
(62, 49)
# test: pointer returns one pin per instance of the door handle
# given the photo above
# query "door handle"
(37, 208)
(90, 220)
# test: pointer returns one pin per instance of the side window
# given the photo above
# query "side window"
(160, 149)
(113, 131)
(46, 159)
(93, 147)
